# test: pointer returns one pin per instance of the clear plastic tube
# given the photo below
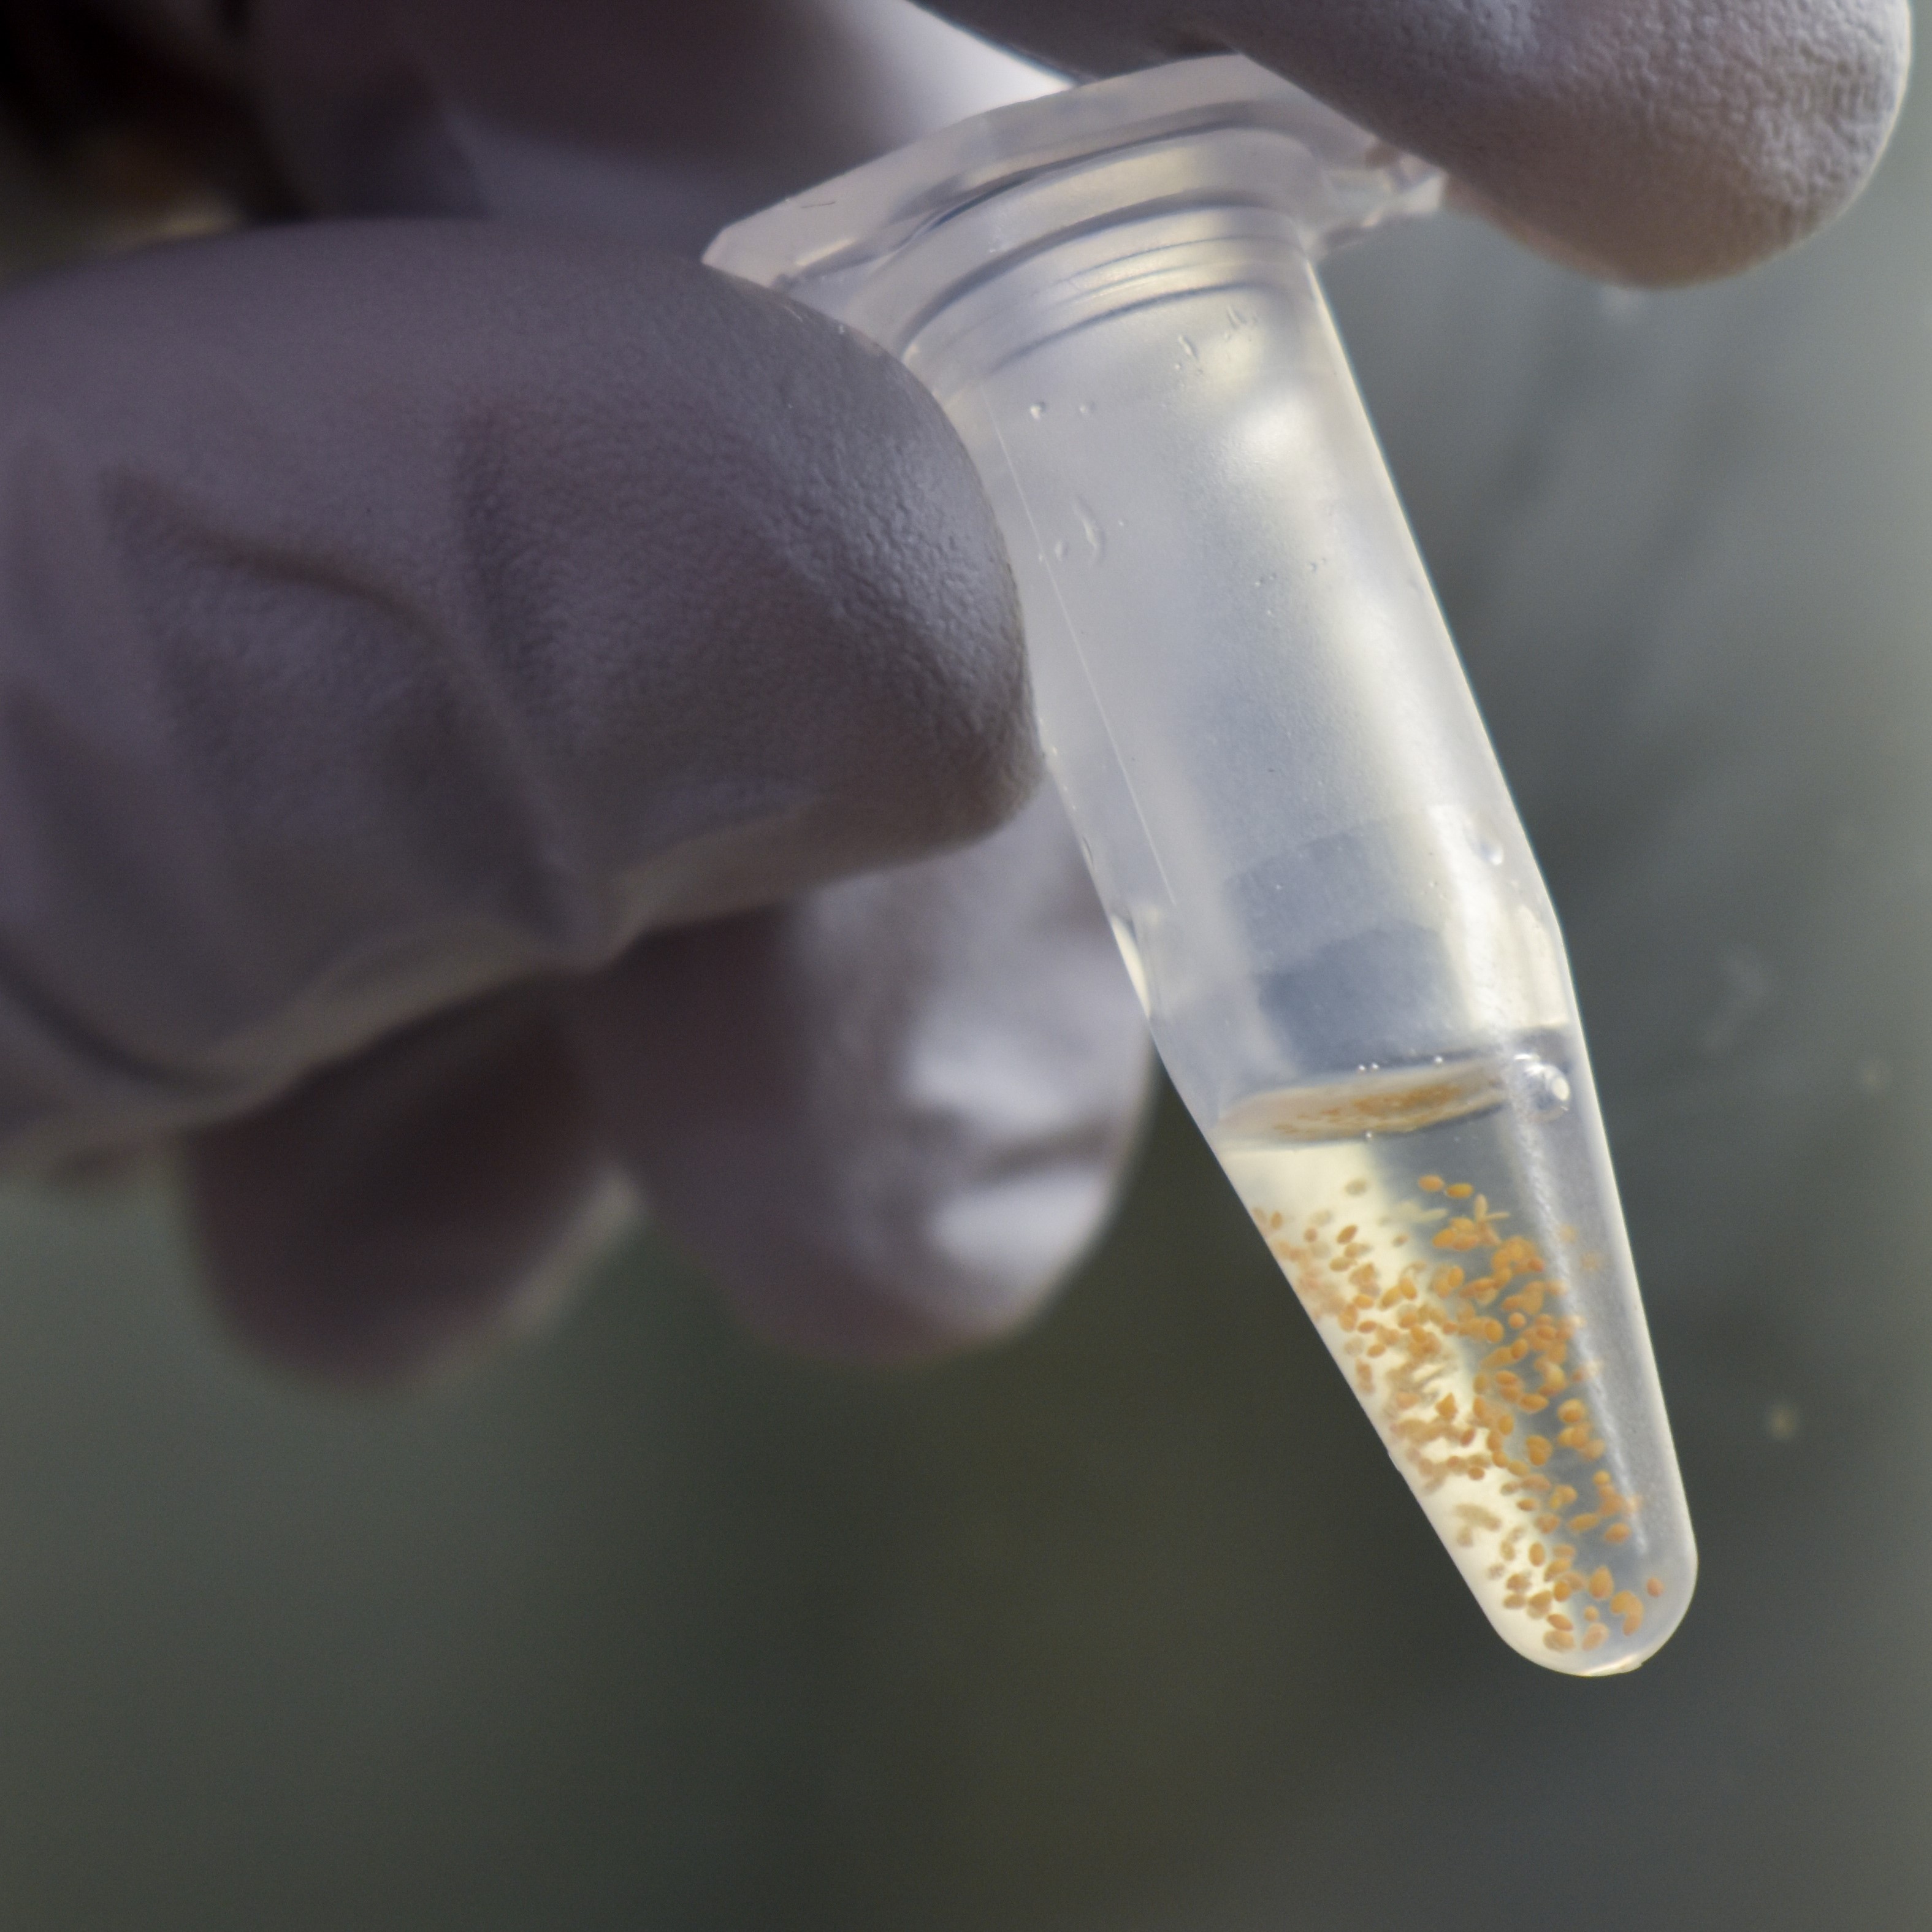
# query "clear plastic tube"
(1293, 814)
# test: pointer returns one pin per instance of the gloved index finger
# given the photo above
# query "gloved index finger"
(390, 611)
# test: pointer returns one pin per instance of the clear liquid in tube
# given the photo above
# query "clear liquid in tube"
(1452, 1231)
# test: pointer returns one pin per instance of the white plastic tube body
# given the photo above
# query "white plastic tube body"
(1259, 725)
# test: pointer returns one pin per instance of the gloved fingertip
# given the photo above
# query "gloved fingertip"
(362, 1325)
(1660, 142)
(889, 1119)
(955, 1273)
(1655, 141)
(397, 1216)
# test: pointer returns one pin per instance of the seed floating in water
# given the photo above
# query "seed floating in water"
(1512, 1387)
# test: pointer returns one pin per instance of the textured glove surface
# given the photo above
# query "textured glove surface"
(460, 679)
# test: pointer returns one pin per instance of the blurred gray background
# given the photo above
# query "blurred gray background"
(1130, 1624)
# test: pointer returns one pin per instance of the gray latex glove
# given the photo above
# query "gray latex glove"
(460, 680)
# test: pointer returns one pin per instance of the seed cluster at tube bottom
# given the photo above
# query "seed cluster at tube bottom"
(1459, 1344)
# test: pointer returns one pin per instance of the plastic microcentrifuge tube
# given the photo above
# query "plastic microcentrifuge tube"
(1264, 738)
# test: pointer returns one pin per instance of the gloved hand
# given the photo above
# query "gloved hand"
(481, 700)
